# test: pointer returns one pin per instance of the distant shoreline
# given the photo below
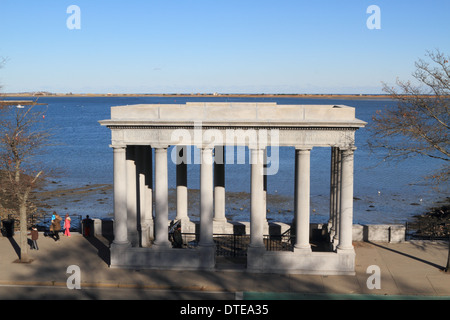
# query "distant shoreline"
(200, 95)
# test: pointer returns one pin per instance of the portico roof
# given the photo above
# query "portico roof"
(224, 114)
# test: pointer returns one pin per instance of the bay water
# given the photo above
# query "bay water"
(384, 192)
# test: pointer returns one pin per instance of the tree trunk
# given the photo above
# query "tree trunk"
(24, 257)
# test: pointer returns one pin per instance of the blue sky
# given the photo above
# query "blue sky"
(228, 46)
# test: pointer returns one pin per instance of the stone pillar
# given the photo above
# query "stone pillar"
(331, 225)
(337, 197)
(257, 207)
(206, 198)
(161, 199)
(266, 225)
(346, 212)
(141, 193)
(120, 197)
(182, 191)
(147, 194)
(219, 184)
(303, 199)
(132, 223)
(149, 183)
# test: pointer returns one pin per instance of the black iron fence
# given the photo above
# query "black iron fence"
(231, 245)
(283, 242)
(235, 245)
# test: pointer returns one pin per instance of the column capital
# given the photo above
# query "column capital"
(348, 150)
(253, 146)
(159, 146)
(205, 147)
(118, 146)
(303, 148)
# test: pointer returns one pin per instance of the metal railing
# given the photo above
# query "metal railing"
(231, 245)
(284, 242)
(235, 245)
(43, 222)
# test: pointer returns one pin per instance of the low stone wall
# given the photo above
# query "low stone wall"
(393, 233)
(104, 228)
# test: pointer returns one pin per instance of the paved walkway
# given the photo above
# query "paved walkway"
(408, 270)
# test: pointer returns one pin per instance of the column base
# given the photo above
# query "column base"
(255, 258)
(207, 245)
(257, 248)
(162, 246)
(345, 249)
(120, 244)
(118, 252)
(145, 235)
(305, 249)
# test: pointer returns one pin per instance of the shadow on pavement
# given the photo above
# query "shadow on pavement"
(442, 268)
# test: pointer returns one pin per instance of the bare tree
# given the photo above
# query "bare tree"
(419, 125)
(22, 137)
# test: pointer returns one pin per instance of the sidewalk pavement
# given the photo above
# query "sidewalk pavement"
(408, 270)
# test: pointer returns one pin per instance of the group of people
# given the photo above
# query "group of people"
(55, 226)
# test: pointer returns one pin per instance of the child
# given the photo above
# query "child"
(34, 238)
(67, 225)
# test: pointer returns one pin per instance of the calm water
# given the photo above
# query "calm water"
(384, 192)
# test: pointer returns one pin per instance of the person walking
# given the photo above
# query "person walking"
(56, 226)
(67, 225)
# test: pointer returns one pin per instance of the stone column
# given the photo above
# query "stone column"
(132, 223)
(182, 192)
(161, 199)
(303, 199)
(331, 225)
(266, 225)
(337, 197)
(120, 197)
(206, 198)
(149, 184)
(257, 207)
(346, 212)
(147, 194)
(140, 193)
(219, 184)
